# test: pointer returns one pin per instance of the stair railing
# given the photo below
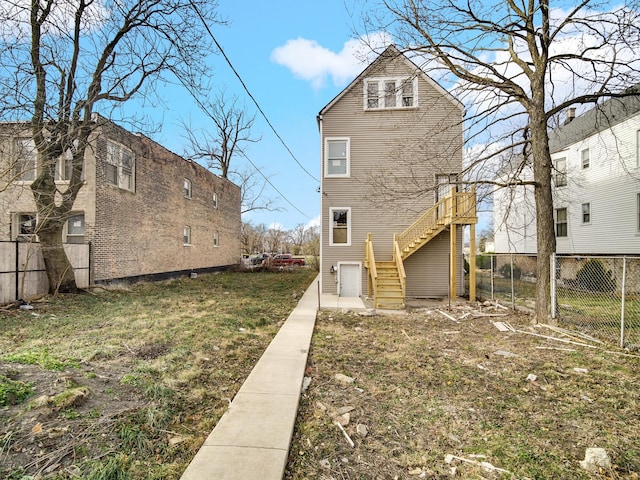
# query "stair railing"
(370, 264)
(397, 258)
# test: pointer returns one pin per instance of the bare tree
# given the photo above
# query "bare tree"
(275, 239)
(297, 237)
(63, 60)
(517, 65)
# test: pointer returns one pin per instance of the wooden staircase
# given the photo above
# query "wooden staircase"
(387, 279)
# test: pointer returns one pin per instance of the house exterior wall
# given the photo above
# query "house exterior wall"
(610, 185)
(395, 155)
(140, 232)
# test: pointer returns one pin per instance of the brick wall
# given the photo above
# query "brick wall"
(141, 232)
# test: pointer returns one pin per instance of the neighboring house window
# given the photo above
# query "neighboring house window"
(186, 235)
(186, 188)
(561, 172)
(216, 239)
(396, 93)
(25, 154)
(75, 228)
(585, 158)
(120, 165)
(337, 161)
(24, 226)
(340, 230)
(586, 213)
(561, 222)
(215, 200)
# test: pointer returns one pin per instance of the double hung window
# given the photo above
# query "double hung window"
(340, 230)
(119, 167)
(337, 157)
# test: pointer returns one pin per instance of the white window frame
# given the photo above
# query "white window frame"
(216, 239)
(16, 233)
(186, 236)
(383, 100)
(187, 188)
(74, 216)
(560, 176)
(116, 155)
(24, 169)
(586, 213)
(329, 140)
(585, 161)
(565, 222)
(348, 228)
(215, 200)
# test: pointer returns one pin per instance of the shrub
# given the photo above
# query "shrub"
(483, 262)
(505, 271)
(593, 276)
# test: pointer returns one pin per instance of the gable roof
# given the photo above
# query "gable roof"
(601, 117)
(389, 53)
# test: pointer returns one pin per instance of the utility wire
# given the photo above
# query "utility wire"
(246, 89)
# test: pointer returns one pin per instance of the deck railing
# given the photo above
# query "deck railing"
(370, 264)
(457, 207)
(397, 258)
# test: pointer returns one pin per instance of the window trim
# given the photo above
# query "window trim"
(587, 213)
(349, 222)
(75, 235)
(215, 200)
(186, 236)
(16, 234)
(30, 166)
(187, 188)
(560, 175)
(381, 92)
(216, 239)
(585, 165)
(565, 222)
(118, 149)
(347, 173)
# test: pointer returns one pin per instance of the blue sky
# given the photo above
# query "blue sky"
(294, 57)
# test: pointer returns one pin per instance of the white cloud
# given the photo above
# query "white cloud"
(310, 61)
(314, 222)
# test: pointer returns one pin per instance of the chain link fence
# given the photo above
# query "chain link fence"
(596, 295)
(599, 296)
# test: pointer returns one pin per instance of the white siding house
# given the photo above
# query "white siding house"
(596, 187)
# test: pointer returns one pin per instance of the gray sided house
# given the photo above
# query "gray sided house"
(391, 210)
(145, 210)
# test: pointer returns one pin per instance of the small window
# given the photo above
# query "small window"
(25, 154)
(384, 93)
(584, 155)
(561, 172)
(586, 213)
(337, 158)
(561, 222)
(372, 95)
(340, 233)
(75, 229)
(24, 226)
(119, 166)
(186, 188)
(186, 235)
(215, 200)
(216, 239)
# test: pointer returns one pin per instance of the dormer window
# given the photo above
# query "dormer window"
(385, 93)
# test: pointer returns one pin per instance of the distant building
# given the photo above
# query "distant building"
(145, 210)
(596, 186)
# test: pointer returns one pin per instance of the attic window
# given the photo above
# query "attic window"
(386, 93)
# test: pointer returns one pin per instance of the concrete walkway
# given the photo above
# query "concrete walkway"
(252, 438)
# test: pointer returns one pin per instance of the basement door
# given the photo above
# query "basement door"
(349, 279)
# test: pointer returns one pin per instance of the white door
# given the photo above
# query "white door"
(349, 279)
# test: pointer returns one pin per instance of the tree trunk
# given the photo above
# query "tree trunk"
(546, 239)
(59, 269)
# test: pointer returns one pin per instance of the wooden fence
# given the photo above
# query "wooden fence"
(22, 273)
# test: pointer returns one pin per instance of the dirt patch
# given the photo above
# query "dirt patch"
(439, 393)
(72, 409)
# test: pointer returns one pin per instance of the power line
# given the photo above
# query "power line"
(264, 115)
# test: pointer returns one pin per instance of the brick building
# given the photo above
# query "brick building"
(145, 210)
